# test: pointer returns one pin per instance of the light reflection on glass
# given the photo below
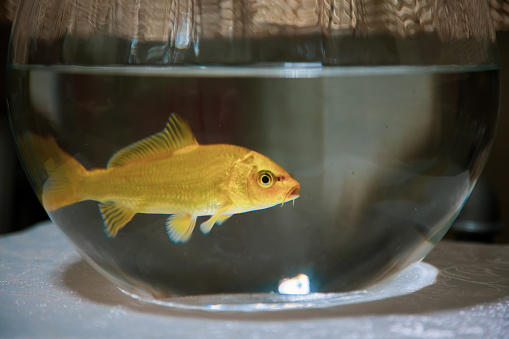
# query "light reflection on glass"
(184, 35)
(296, 285)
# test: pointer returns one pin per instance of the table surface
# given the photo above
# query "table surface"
(47, 290)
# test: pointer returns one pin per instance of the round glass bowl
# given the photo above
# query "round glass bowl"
(251, 152)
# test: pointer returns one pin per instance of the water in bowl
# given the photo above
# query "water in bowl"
(385, 158)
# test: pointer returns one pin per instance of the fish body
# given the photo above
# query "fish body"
(171, 173)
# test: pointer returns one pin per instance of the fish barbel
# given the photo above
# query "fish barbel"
(171, 173)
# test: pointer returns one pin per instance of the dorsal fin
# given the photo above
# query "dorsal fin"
(177, 134)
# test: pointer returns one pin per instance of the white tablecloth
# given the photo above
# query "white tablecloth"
(47, 290)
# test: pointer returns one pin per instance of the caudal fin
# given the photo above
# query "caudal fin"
(65, 175)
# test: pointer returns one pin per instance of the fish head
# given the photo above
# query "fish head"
(258, 183)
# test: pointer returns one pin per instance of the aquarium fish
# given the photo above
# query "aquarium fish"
(171, 173)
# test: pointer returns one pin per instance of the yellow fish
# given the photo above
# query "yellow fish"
(171, 173)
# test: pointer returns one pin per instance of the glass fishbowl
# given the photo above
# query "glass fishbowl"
(245, 152)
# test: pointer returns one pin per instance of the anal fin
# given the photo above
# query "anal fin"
(180, 227)
(115, 216)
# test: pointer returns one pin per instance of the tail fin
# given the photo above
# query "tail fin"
(63, 185)
(65, 175)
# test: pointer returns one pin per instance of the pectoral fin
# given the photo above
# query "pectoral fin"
(217, 218)
(115, 216)
(180, 227)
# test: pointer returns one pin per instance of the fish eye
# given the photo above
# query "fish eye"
(265, 179)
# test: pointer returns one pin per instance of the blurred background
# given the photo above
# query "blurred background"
(485, 217)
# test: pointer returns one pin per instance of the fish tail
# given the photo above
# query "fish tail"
(64, 180)
(62, 187)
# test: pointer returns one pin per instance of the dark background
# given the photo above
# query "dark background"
(488, 206)
(19, 208)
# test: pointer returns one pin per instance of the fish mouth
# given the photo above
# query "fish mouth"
(292, 194)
